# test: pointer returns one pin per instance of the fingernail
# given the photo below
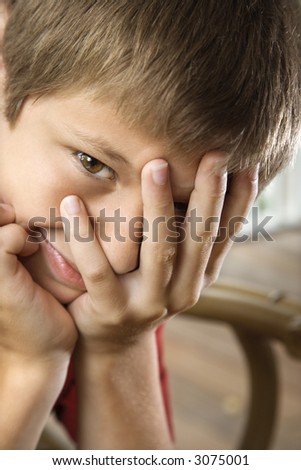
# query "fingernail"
(159, 173)
(72, 205)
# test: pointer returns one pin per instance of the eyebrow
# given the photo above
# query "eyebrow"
(97, 145)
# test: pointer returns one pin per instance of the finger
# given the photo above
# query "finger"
(240, 197)
(158, 250)
(7, 214)
(13, 242)
(201, 226)
(87, 252)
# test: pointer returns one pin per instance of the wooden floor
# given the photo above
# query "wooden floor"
(208, 381)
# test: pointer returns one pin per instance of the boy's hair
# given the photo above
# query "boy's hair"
(203, 74)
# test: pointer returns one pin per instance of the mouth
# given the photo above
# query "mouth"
(62, 269)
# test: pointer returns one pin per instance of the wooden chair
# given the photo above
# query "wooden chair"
(258, 318)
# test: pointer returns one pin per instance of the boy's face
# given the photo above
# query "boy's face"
(47, 156)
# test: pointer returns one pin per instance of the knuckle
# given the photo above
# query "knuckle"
(156, 308)
(211, 277)
(156, 313)
(10, 233)
(96, 276)
(6, 214)
(166, 256)
(192, 299)
(208, 238)
(217, 193)
(163, 203)
(186, 303)
(18, 230)
(219, 187)
(253, 188)
(249, 189)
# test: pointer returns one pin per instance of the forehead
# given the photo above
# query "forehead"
(100, 127)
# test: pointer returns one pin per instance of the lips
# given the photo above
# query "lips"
(61, 268)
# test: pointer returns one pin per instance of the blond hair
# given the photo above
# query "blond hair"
(204, 74)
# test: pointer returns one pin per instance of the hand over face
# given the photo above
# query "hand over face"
(171, 273)
(33, 325)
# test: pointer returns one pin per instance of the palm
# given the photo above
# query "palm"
(48, 325)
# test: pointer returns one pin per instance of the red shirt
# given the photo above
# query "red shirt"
(65, 407)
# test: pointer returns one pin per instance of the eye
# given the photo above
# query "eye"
(94, 166)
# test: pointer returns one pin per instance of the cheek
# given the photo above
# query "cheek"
(122, 256)
(35, 206)
(119, 229)
(32, 185)
(120, 247)
(28, 195)
(34, 196)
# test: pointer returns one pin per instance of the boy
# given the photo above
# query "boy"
(152, 109)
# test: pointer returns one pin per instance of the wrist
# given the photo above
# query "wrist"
(53, 362)
(121, 386)
(113, 346)
(22, 373)
(27, 395)
(92, 359)
(45, 380)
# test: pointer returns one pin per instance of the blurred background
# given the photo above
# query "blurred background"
(207, 373)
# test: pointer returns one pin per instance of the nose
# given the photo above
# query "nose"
(119, 231)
